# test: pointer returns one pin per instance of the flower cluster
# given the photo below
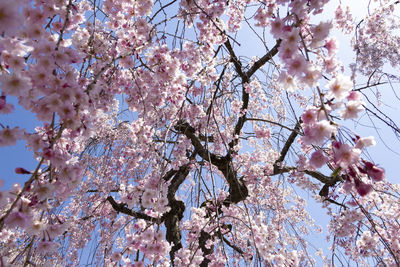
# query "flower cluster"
(157, 142)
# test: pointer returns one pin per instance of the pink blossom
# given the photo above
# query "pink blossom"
(287, 51)
(291, 37)
(354, 96)
(116, 256)
(4, 106)
(339, 87)
(316, 133)
(310, 115)
(15, 84)
(297, 65)
(3, 194)
(261, 17)
(377, 174)
(46, 247)
(320, 33)
(331, 64)
(10, 20)
(18, 219)
(331, 45)
(345, 155)
(287, 81)
(352, 108)
(311, 77)
(36, 228)
(362, 188)
(365, 141)
(277, 28)
(318, 159)
(348, 186)
(9, 137)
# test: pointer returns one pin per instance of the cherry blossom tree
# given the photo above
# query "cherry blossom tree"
(162, 140)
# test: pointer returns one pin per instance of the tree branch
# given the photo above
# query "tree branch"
(122, 208)
(268, 56)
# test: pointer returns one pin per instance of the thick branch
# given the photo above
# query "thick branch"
(268, 56)
(236, 248)
(289, 142)
(173, 217)
(204, 237)
(278, 168)
(236, 62)
(122, 208)
(237, 189)
(327, 180)
(189, 131)
(172, 221)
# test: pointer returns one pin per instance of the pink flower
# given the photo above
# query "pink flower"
(365, 141)
(292, 37)
(331, 64)
(331, 45)
(10, 20)
(261, 17)
(287, 51)
(311, 77)
(297, 65)
(66, 111)
(46, 247)
(347, 186)
(377, 174)
(9, 137)
(287, 82)
(320, 33)
(310, 116)
(18, 219)
(318, 159)
(355, 96)
(277, 28)
(36, 228)
(4, 106)
(15, 84)
(3, 195)
(352, 109)
(316, 133)
(345, 155)
(362, 188)
(339, 87)
(116, 256)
